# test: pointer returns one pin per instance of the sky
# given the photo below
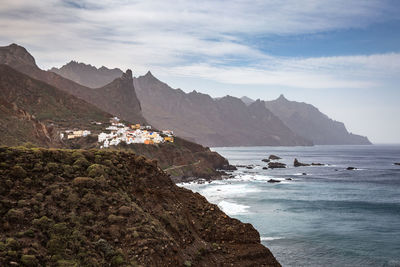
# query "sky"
(343, 56)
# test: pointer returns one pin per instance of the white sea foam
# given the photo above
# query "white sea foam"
(269, 238)
(232, 208)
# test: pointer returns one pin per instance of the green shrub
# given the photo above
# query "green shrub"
(12, 244)
(18, 172)
(81, 163)
(43, 223)
(29, 260)
(96, 170)
(117, 260)
(15, 215)
(52, 167)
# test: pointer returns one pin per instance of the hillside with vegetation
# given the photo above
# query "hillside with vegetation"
(33, 111)
(105, 208)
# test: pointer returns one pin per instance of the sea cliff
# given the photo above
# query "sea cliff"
(97, 207)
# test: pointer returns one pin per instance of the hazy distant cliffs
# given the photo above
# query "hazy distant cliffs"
(196, 116)
(88, 75)
(118, 98)
(307, 121)
(226, 121)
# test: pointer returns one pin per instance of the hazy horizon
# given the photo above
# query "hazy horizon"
(341, 56)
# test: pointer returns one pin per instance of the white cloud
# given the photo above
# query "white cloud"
(192, 38)
(313, 73)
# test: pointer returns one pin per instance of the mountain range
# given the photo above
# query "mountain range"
(198, 117)
(225, 121)
(306, 120)
(36, 106)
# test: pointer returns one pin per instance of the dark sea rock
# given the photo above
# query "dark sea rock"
(397, 163)
(265, 160)
(273, 165)
(229, 168)
(288, 179)
(273, 181)
(351, 168)
(317, 164)
(249, 167)
(304, 173)
(240, 166)
(296, 163)
(265, 168)
(273, 157)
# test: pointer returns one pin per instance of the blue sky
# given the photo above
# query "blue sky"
(340, 55)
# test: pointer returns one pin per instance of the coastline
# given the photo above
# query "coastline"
(326, 217)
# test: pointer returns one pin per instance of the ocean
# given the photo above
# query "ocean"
(329, 217)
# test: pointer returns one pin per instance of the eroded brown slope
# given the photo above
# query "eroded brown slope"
(118, 98)
(33, 111)
(65, 207)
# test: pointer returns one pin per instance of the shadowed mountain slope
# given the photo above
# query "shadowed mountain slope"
(33, 111)
(88, 75)
(307, 121)
(226, 121)
(118, 97)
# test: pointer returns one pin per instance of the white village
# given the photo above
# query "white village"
(117, 133)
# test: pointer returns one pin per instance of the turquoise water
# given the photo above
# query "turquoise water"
(329, 217)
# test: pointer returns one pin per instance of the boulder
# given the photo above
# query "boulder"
(273, 181)
(296, 163)
(304, 173)
(351, 168)
(273, 165)
(397, 163)
(265, 160)
(288, 179)
(273, 157)
(265, 168)
(229, 167)
(249, 167)
(317, 164)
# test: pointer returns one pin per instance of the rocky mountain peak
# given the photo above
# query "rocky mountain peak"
(282, 98)
(127, 75)
(16, 56)
(149, 74)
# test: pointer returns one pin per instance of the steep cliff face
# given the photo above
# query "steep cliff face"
(307, 121)
(88, 75)
(32, 111)
(92, 208)
(118, 97)
(225, 121)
